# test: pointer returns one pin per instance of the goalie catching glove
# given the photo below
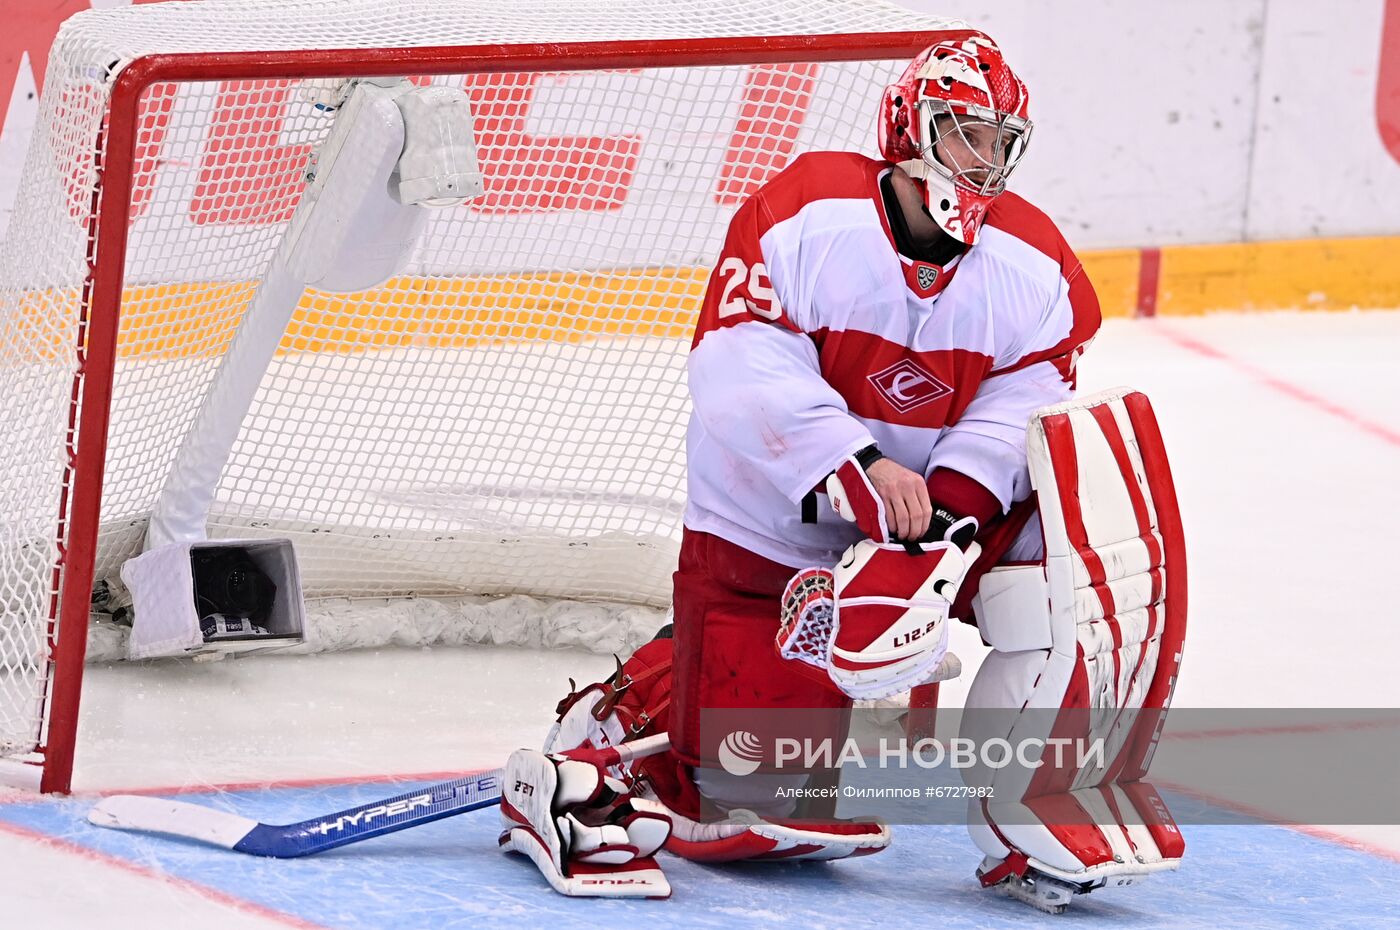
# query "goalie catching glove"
(582, 828)
(877, 623)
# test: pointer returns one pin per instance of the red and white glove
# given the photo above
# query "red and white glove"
(854, 497)
(878, 621)
(584, 830)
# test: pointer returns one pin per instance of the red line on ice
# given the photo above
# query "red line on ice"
(1280, 729)
(1374, 849)
(220, 897)
(1302, 395)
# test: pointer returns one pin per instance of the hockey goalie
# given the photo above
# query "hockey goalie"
(876, 337)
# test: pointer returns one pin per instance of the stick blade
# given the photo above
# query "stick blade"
(173, 818)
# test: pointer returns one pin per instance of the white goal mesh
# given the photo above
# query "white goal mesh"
(507, 414)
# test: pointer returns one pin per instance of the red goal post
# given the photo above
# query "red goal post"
(109, 223)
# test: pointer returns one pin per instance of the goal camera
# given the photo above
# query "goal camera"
(232, 595)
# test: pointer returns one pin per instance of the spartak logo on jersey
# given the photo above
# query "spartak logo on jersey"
(906, 385)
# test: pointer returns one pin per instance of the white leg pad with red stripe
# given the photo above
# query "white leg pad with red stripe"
(1099, 627)
(585, 832)
(746, 836)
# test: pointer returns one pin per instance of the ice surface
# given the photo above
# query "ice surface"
(1284, 432)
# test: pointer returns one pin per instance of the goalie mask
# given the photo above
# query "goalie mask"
(956, 121)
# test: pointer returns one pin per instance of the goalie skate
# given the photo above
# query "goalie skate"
(1036, 888)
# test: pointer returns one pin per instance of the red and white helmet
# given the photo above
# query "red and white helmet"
(959, 90)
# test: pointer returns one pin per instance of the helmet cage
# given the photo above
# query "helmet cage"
(984, 177)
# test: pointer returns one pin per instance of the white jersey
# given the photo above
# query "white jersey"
(818, 338)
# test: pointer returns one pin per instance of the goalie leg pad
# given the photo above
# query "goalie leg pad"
(769, 832)
(630, 704)
(634, 702)
(762, 840)
(582, 830)
(1100, 630)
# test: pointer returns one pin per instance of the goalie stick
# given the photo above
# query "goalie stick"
(289, 841)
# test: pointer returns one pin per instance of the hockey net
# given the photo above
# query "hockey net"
(505, 416)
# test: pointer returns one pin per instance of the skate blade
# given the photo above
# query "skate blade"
(1040, 892)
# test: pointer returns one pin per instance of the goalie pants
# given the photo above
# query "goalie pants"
(727, 607)
(727, 604)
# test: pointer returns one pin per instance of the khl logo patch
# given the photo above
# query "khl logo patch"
(906, 385)
(926, 275)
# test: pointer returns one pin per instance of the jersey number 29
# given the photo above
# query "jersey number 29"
(761, 299)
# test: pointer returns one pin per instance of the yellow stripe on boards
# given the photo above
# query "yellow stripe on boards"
(1114, 274)
(423, 312)
(1305, 274)
(199, 319)
(1241, 277)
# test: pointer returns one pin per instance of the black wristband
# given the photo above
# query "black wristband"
(868, 456)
